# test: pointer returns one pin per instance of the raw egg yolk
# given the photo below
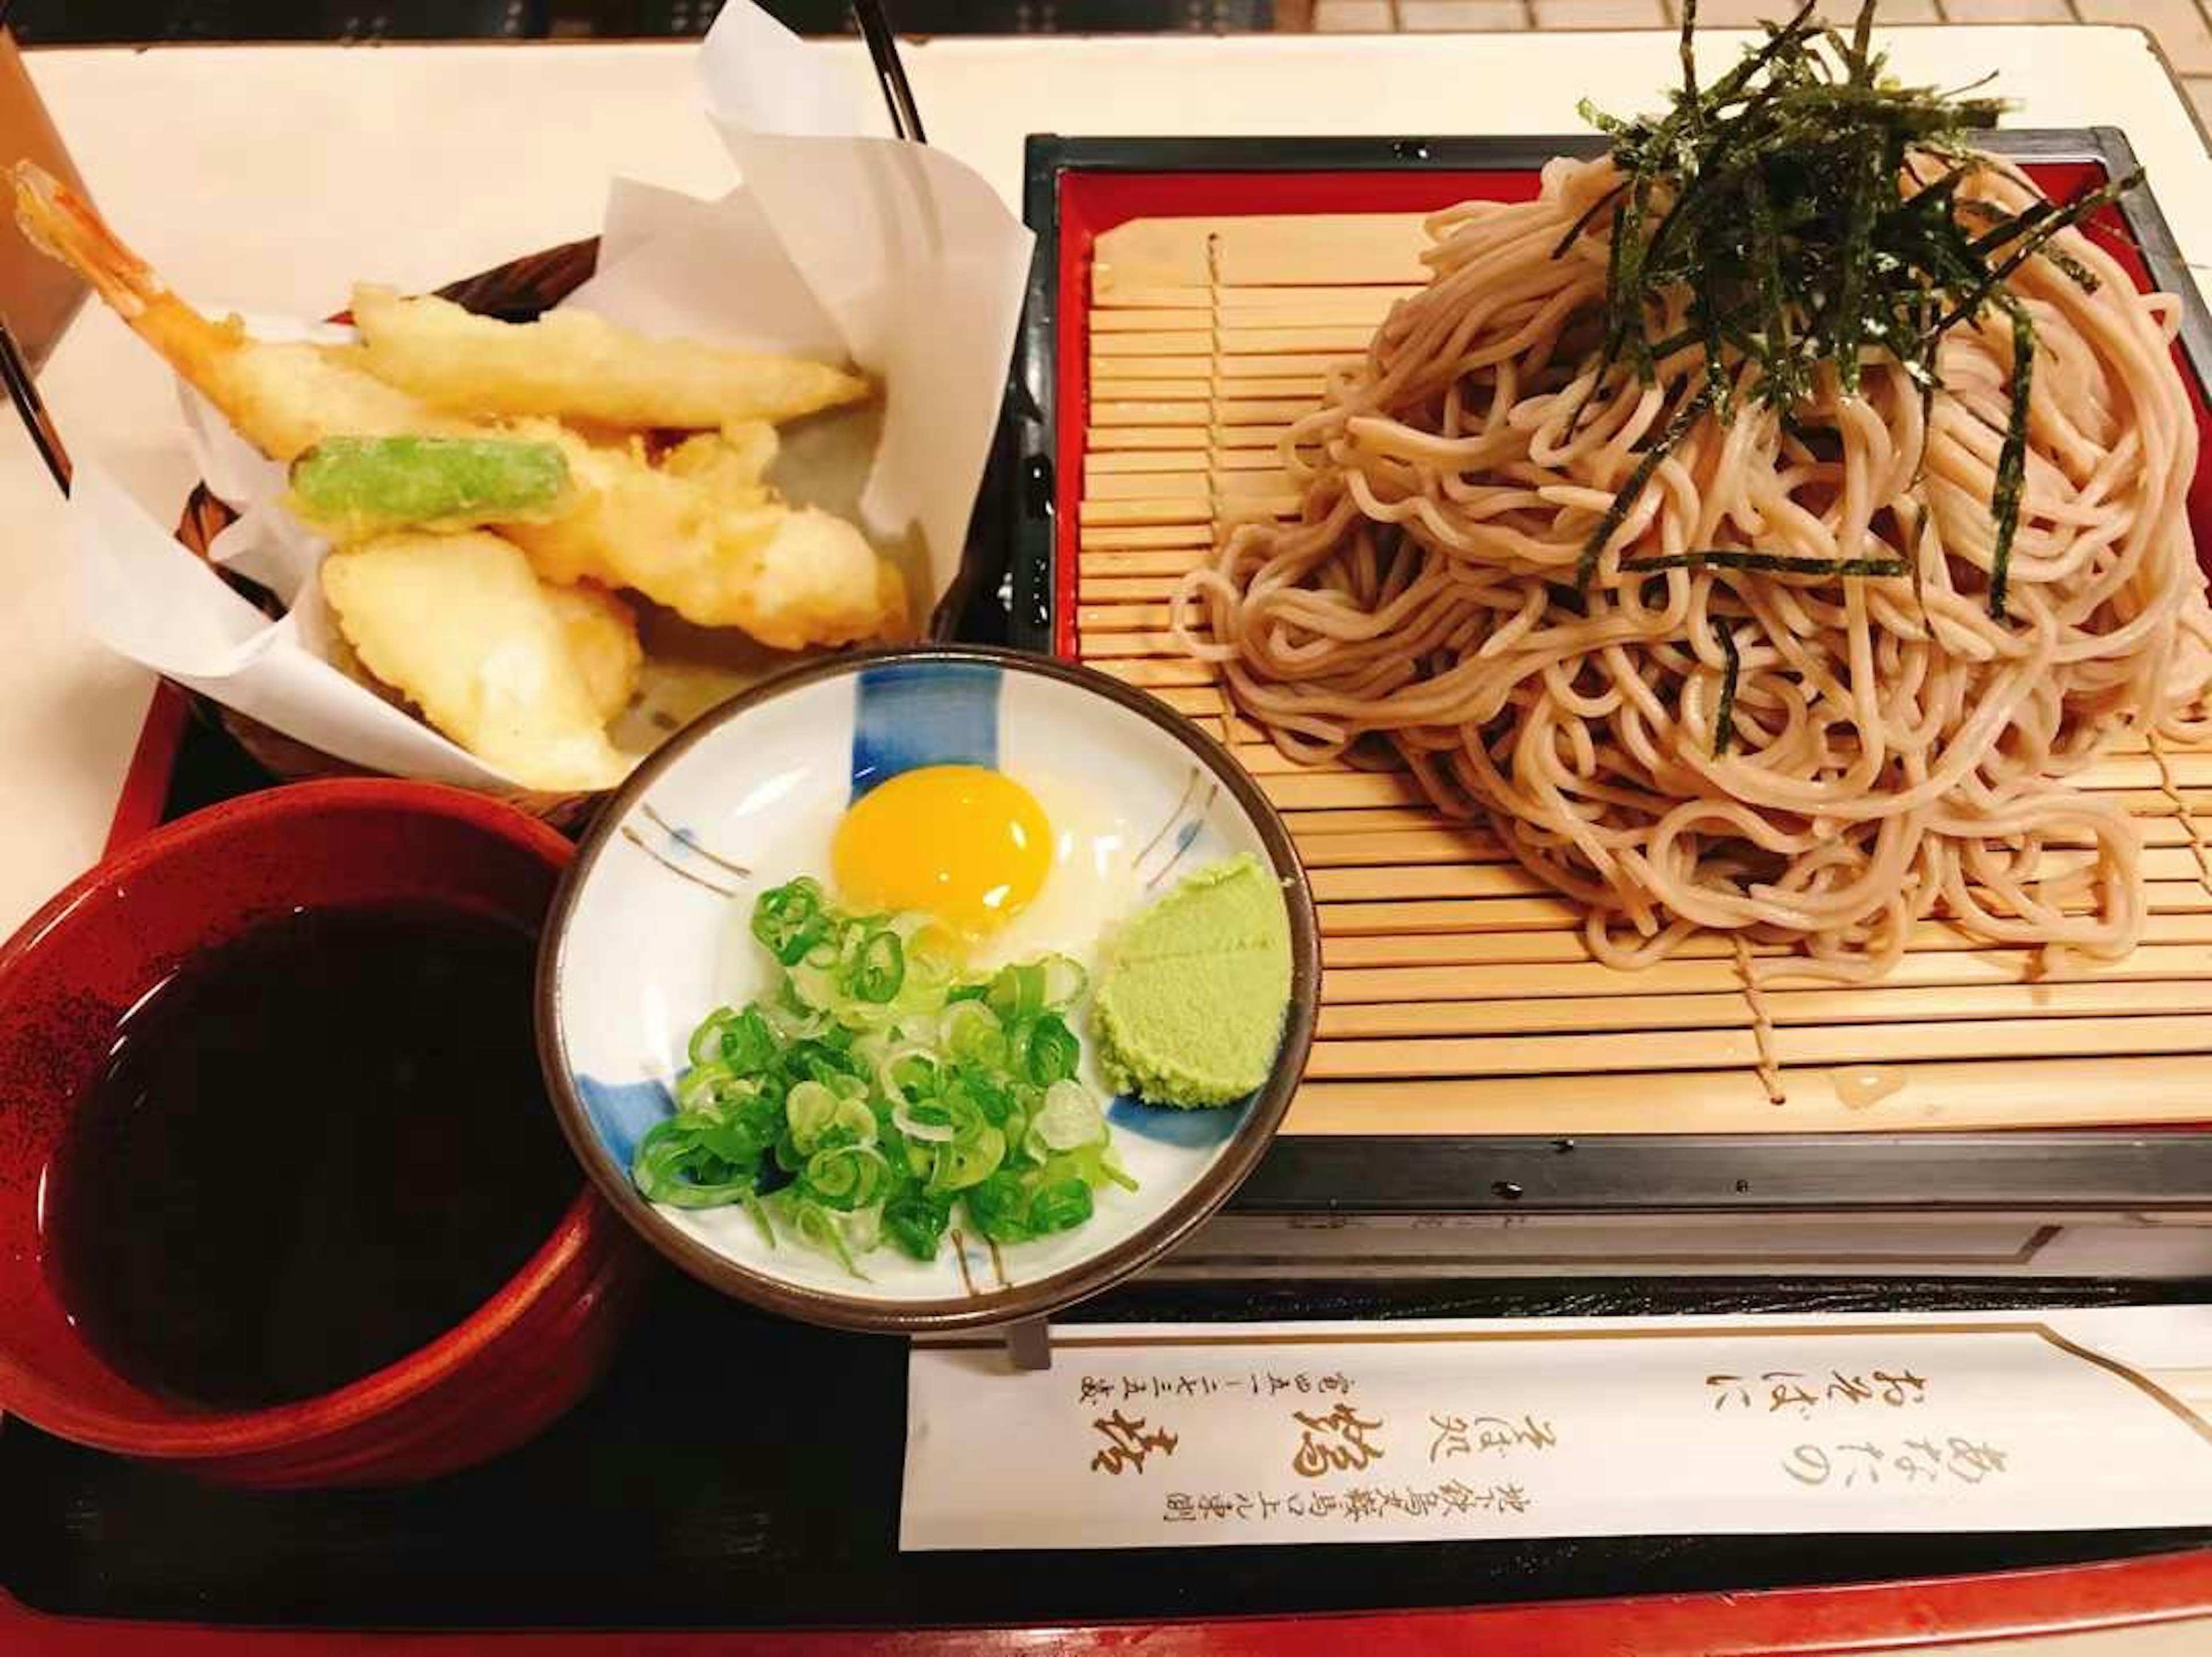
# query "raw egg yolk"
(963, 842)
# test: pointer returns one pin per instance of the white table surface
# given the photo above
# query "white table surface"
(269, 178)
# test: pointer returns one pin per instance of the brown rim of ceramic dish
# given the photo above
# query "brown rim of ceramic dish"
(1048, 1295)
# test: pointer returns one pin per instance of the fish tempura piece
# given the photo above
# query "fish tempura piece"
(572, 365)
(282, 399)
(693, 539)
(461, 626)
(733, 463)
(602, 632)
(353, 488)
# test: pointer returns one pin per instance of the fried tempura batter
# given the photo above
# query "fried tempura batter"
(702, 537)
(461, 626)
(572, 365)
(603, 643)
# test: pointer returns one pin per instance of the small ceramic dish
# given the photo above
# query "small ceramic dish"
(649, 934)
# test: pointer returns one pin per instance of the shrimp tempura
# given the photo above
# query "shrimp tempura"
(283, 399)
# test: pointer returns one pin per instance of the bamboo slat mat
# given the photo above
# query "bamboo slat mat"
(1457, 996)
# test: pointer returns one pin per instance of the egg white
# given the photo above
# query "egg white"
(1090, 885)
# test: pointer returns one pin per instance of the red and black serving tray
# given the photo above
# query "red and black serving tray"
(1352, 1151)
(735, 1473)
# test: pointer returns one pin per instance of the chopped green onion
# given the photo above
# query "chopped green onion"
(1064, 981)
(1071, 1117)
(789, 921)
(875, 1090)
(1060, 1206)
(1000, 1206)
(968, 1159)
(917, 1221)
(879, 969)
(973, 1035)
(1053, 1050)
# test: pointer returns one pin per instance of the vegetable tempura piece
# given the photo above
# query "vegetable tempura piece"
(572, 365)
(602, 639)
(460, 625)
(692, 539)
(352, 488)
(282, 399)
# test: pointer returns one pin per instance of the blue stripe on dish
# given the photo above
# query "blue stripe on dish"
(620, 1112)
(923, 712)
(1168, 1125)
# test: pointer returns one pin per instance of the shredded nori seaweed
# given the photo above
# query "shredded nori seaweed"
(1781, 210)
(1783, 563)
(1724, 722)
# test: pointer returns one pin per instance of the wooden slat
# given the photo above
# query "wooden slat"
(1460, 879)
(1213, 458)
(1401, 987)
(1498, 914)
(1149, 414)
(1110, 590)
(1238, 489)
(1363, 308)
(1237, 295)
(1184, 437)
(1564, 943)
(1725, 1009)
(1142, 560)
(1160, 671)
(1473, 868)
(1502, 914)
(1323, 789)
(1161, 511)
(1273, 250)
(1364, 820)
(1139, 538)
(1181, 365)
(1957, 1096)
(1642, 1050)
(1114, 462)
(1436, 847)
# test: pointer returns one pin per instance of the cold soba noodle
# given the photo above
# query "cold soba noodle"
(1857, 711)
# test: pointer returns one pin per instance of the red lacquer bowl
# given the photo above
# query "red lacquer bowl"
(524, 1357)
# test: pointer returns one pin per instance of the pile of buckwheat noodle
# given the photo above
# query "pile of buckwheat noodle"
(1896, 751)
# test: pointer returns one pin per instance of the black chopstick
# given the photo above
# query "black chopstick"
(23, 393)
(890, 72)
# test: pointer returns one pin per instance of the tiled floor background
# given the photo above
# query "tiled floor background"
(2183, 28)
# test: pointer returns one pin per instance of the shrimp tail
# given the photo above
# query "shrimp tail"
(283, 398)
(61, 224)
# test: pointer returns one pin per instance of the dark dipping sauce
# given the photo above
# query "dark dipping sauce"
(312, 1151)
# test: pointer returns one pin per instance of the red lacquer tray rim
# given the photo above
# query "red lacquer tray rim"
(2002, 1606)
